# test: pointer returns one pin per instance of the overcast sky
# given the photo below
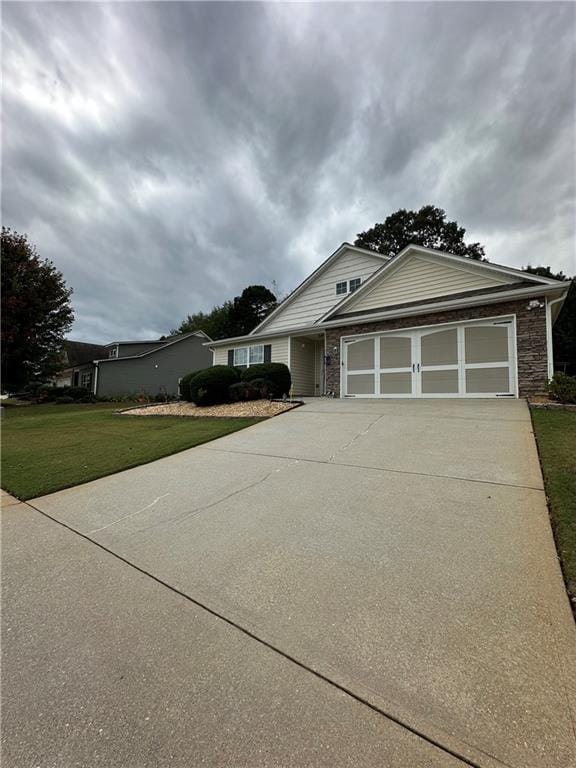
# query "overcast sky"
(164, 156)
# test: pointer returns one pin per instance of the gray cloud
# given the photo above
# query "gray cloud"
(166, 155)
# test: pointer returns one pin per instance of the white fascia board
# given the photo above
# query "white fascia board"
(317, 272)
(423, 309)
(460, 262)
(482, 264)
(301, 331)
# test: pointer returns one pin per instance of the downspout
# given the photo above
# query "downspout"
(95, 377)
(549, 341)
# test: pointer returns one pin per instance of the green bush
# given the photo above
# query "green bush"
(64, 400)
(562, 388)
(242, 390)
(264, 386)
(209, 386)
(46, 394)
(277, 374)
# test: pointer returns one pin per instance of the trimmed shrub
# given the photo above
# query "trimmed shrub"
(562, 388)
(242, 390)
(50, 394)
(277, 374)
(210, 386)
(264, 386)
(64, 400)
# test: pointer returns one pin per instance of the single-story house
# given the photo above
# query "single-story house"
(77, 364)
(150, 367)
(422, 324)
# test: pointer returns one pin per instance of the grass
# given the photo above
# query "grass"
(556, 436)
(49, 447)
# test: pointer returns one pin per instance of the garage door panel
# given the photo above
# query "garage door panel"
(486, 343)
(361, 355)
(439, 348)
(395, 351)
(361, 384)
(487, 380)
(397, 383)
(440, 382)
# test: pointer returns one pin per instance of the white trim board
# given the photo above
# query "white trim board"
(317, 272)
(457, 262)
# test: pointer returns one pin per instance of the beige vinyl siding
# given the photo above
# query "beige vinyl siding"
(279, 350)
(302, 365)
(320, 295)
(422, 278)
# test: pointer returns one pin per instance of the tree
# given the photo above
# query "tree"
(427, 227)
(249, 309)
(36, 313)
(233, 318)
(564, 330)
(213, 323)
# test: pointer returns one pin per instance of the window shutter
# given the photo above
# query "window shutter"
(231, 357)
(267, 353)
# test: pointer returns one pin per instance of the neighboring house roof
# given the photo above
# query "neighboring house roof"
(344, 248)
(161, 345)
(80, 353)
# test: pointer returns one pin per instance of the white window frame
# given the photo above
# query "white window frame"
(339, 285)
(83, 374)
(248, 352)
(113, 352)
(357, 283)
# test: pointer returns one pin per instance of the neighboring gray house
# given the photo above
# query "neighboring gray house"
(150, 367)
(78, 364)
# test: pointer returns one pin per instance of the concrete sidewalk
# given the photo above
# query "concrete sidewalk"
(399, 549)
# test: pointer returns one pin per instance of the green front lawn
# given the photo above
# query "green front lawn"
(556, 436)
(49, 447)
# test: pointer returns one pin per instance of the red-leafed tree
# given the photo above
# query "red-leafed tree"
(36, 313)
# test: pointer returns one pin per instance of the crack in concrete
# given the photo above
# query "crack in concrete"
(454, 750)
(199, 510)
(328, 462)
(357, 436)
(131, 514)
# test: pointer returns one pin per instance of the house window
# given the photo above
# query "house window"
(256, 354)
(86, 379)
(113, 352)
(244, 357)
(347, 286)
(241, 357)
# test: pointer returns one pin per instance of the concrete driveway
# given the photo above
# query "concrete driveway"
(351, 583)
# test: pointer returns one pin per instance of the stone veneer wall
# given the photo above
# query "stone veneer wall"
(530, 339)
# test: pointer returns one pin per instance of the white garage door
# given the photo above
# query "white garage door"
(474, 359)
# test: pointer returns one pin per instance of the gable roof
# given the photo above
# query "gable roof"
(80, 352)
(461, 262)
(313, 276)
(161, 346)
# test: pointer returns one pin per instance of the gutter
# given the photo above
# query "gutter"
(421, 309)
(424, 309)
